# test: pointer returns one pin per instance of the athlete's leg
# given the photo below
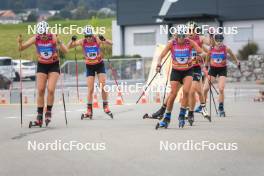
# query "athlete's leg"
(221, 85)
(41, 86)
(102, 81)
(52, 83)
(90, 86)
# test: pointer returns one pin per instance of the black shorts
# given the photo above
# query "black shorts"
(97, 68)
(47, 68)
(197, 73)
(178, 75)
(217, 71)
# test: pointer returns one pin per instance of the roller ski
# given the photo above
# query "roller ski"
(37, 122)
(108, 112)
(47, 118)
(190, 118)
(181, 122)
(157, 115)
(205, 114)
(88, 114)
(164, 123)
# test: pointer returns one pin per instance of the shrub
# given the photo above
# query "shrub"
(248, 49)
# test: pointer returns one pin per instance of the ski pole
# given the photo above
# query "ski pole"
(62, 91)
(212, 98)
(151, 80)
(114, 76)
(21, 88)
(164, 95)
(76, 69)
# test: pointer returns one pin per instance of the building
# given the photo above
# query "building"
(9, 17)
(137, 28)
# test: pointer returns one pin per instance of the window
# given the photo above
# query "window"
(5, 62)
(147, 38)
(244, 34)
(28, 63)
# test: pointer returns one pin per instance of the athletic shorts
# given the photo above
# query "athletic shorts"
(179, 75)
(217, 71)
(197, 73)
(97, 68)
(48, 68)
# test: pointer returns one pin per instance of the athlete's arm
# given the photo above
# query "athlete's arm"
(233, 56)
(196, 47)
(22, 46)
(62, 47)
(73, 44)
(101, 39)
(163, 54)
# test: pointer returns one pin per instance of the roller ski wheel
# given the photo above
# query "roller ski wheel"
(47, 118)
(208, 117)
(110, 114)
(222, 114)
(86, 116)
(146, 116)
(37, 122)
(191, 120)
(163, 124)
(181, 122)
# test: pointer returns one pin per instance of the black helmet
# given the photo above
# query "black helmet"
(219, 37)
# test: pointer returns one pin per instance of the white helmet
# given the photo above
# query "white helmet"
(181, 29)
(88, 30)
(42, 27)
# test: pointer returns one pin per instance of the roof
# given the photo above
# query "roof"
(139, 12)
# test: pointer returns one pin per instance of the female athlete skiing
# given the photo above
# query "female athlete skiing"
(181, 49)
(48, 67)
(197, 63)
(218, 68)
(94, 64)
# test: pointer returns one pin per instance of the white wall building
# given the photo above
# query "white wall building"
(137, 29)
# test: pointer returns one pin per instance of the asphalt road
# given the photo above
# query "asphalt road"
(129, 145)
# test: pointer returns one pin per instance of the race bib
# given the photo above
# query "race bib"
(194, 53)
(45, 52)
(182, 57)
(91, 52)
(218, 58)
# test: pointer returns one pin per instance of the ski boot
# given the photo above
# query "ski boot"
(205, 114)
(221, 110)
(186, 113)
(88, 114)
(107, 111)
(182, 117)
(156, 115)
(47, 118)
(164, 123)
(198, 109)
(38, 122)
(190, 118)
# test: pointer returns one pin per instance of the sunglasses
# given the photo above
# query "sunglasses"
(181, 35)
(88, 36)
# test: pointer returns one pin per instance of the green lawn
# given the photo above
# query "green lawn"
(9, 33)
